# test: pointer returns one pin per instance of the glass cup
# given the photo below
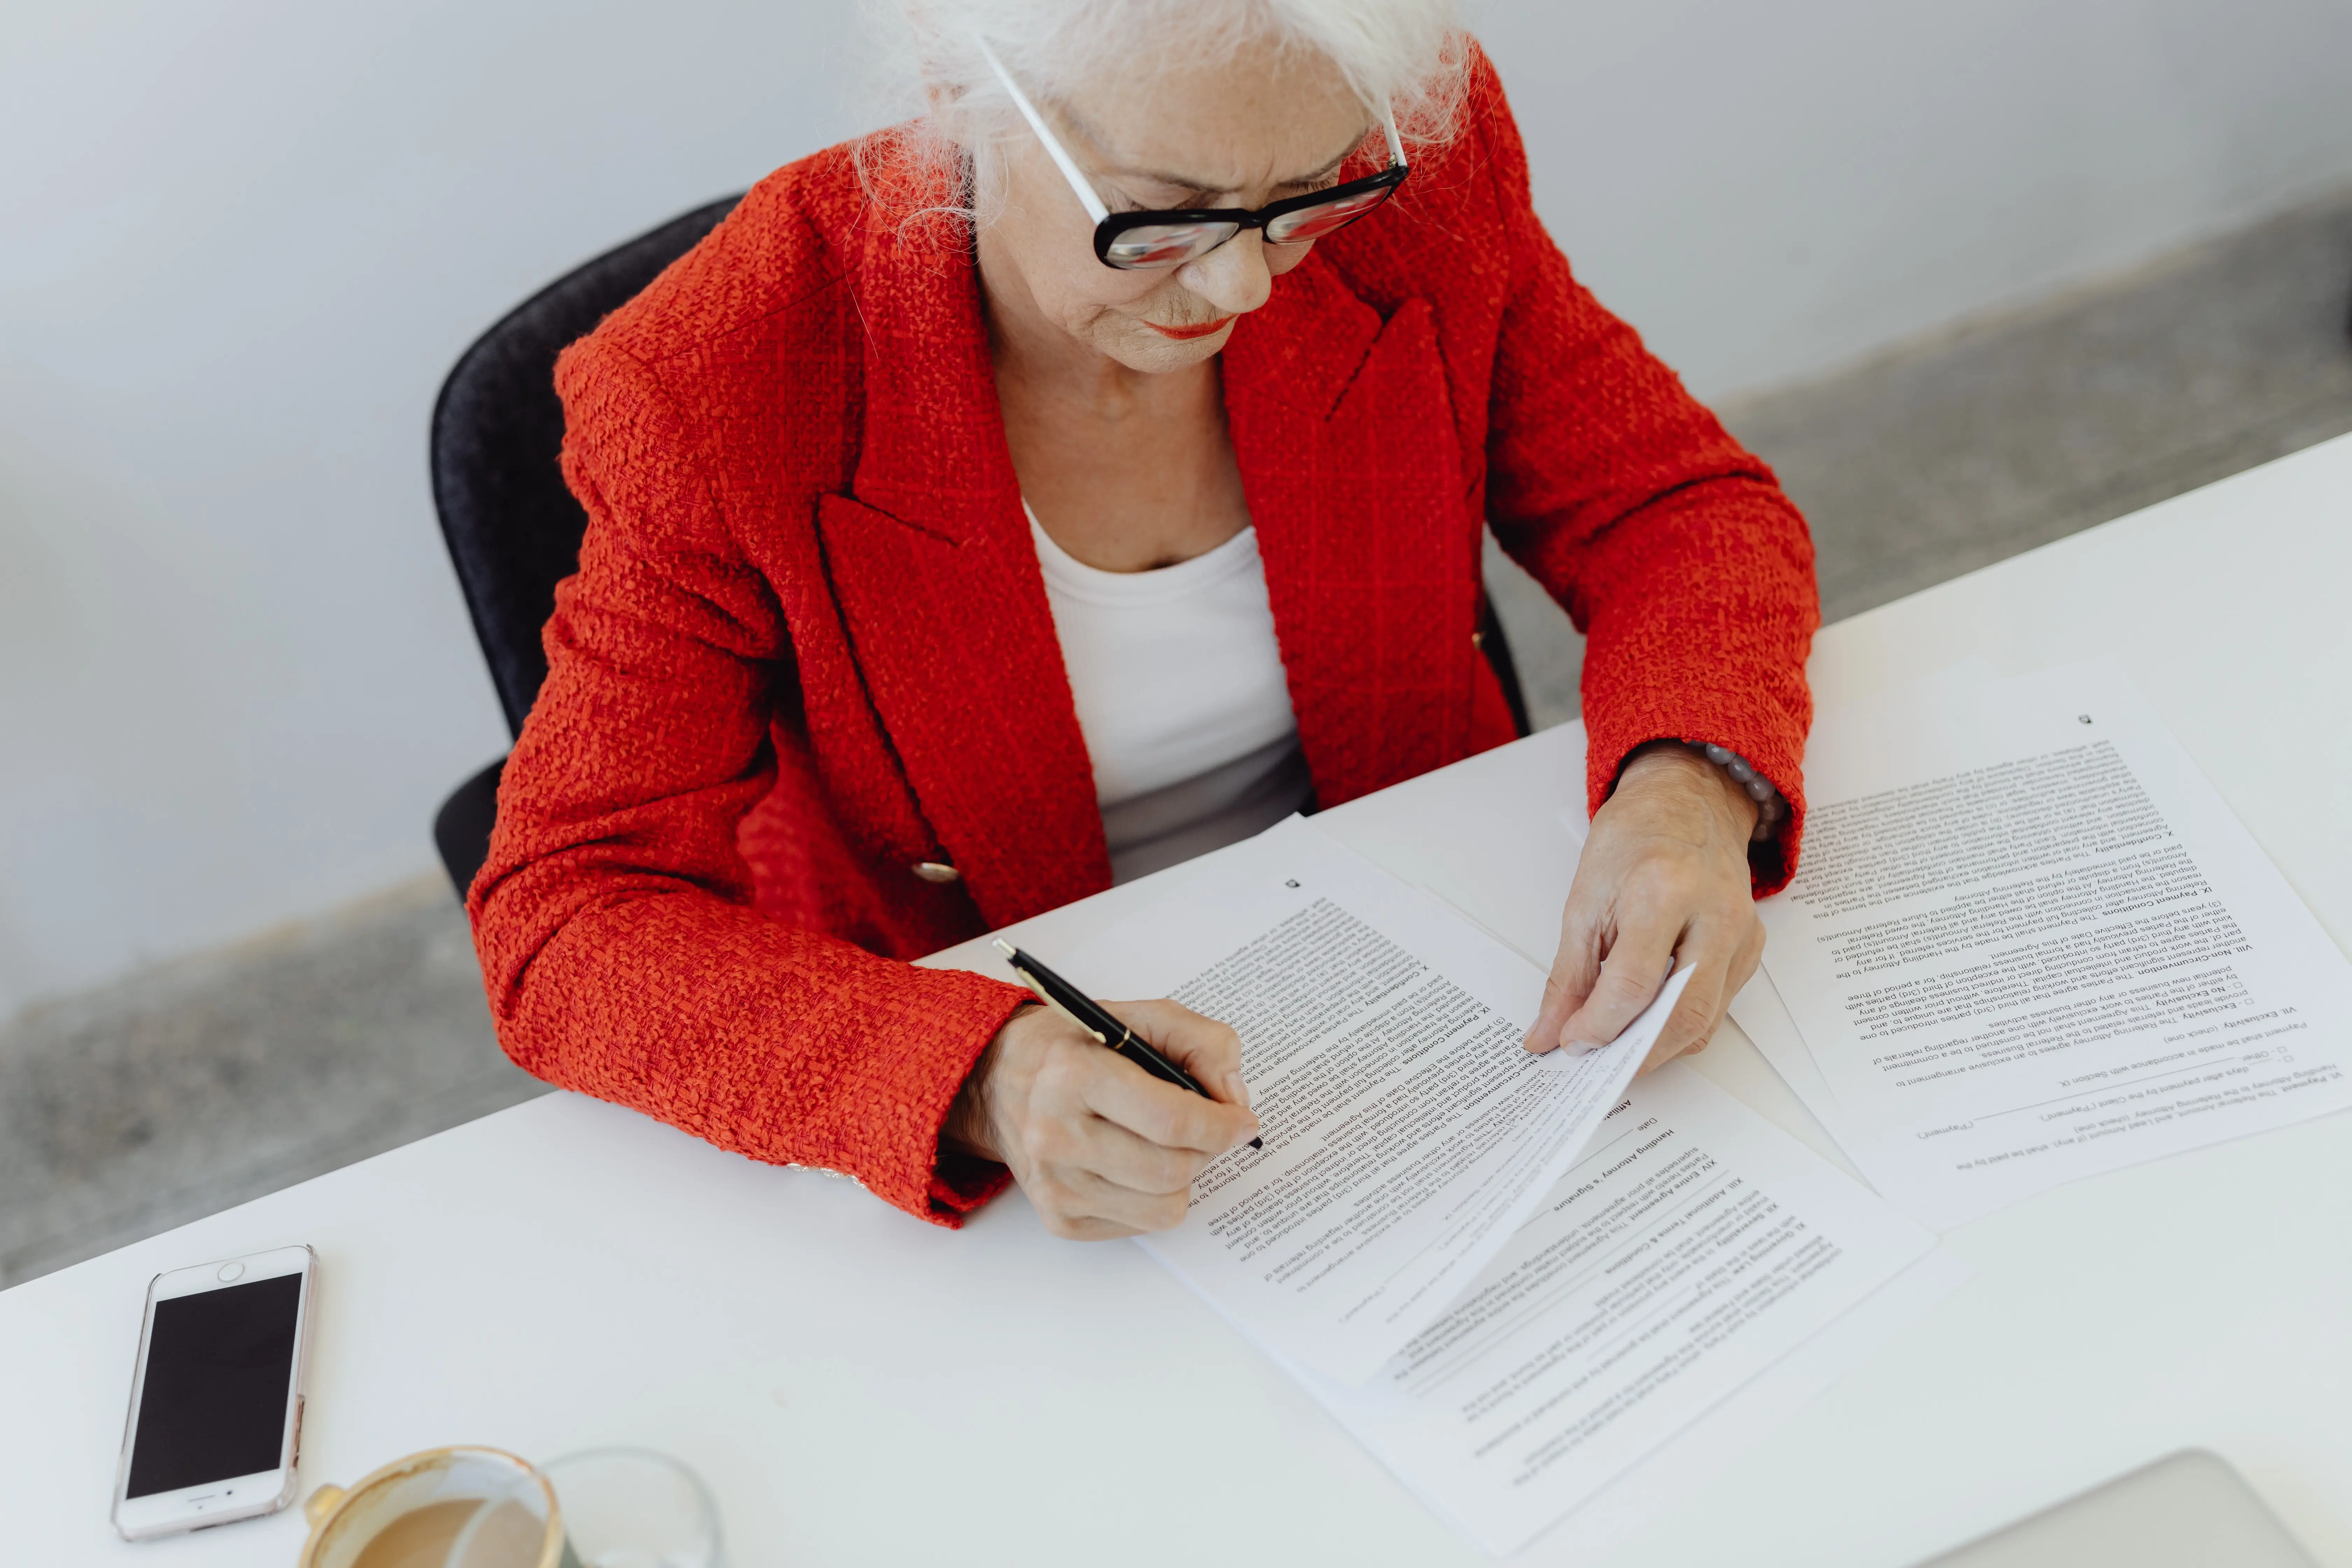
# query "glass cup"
(620, 1507)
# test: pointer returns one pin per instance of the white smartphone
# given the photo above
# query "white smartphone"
(216, 1396)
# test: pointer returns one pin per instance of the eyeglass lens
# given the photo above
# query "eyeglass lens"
(1168, 244)
(1173, 244)
(1314, 223)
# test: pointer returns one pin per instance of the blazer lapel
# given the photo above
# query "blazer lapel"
(1352, 469)
(1342, 425)
(931, 563)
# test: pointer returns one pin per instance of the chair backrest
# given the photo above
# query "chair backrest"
(512, 527)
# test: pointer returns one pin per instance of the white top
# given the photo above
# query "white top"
(1181, 698)
(567, 1273)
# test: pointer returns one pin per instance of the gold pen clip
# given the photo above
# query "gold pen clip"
(1046, 997)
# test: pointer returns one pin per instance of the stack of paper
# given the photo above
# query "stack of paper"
(1519, 1281)
(2029, 943)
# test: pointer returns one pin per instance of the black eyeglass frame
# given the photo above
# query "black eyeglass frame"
(1107, 231)
(1109, 226)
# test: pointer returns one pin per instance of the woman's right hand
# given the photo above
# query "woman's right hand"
(1103, 1148)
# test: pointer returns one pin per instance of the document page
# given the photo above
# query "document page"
(1691, 1248)
(1764, 1018)
(2028, 942)
(1406, 1132)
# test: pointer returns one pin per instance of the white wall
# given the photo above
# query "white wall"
(1768, 189)
(240, 244)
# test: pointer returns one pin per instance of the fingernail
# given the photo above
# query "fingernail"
(1235, 1090)
(1579, 1048)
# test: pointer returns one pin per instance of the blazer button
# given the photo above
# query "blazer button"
(937, 871)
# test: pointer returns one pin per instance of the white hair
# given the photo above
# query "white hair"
(1410, 55)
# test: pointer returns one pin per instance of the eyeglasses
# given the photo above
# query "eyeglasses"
(1141, 240)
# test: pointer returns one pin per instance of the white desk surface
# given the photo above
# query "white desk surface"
(862, 1388)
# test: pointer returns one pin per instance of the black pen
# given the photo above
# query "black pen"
(1097, 1020)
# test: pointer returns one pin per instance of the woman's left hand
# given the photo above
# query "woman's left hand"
(1663, 884)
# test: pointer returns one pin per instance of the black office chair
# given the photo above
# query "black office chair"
(513, 528)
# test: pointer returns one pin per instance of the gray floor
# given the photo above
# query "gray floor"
(200, 1084)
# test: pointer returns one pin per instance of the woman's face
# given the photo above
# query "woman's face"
(1266, 125)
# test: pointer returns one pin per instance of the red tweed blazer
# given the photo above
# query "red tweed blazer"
(808, 646)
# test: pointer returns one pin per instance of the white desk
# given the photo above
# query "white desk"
(862, 1388)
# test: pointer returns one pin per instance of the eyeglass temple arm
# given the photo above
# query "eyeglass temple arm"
(1063, 160)
(1095, 208)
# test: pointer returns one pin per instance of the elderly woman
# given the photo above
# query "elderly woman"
(1084, 476)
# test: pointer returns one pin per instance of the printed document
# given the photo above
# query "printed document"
(1406, 1133)
(1521, 1297)
(1692, 1248)
(2028, 943)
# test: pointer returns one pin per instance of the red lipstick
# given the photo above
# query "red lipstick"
(1218, 325)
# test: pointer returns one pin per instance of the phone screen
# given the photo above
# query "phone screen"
(213, 1404)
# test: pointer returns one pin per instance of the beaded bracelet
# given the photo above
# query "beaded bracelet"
(1770, 808)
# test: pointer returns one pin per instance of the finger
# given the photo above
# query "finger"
(1083, 1195)
(1088, 1143)
(1708, 948)
(1698, 1008)
(1206, 1049)
(1068, 1212)
(1118, 1090)
(1689, 1035)
(1574, 971)
(1637, 967)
